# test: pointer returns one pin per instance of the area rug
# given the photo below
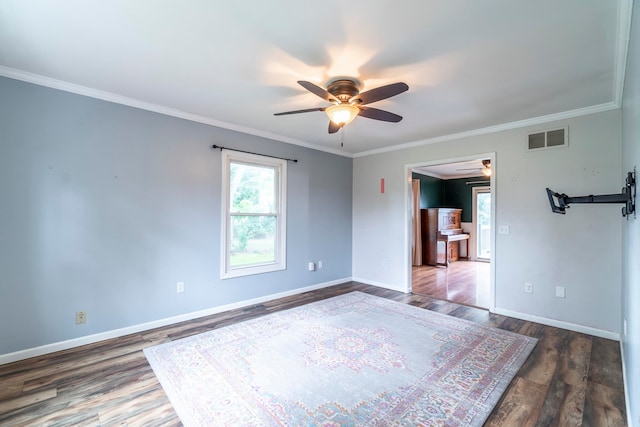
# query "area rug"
(350, 360)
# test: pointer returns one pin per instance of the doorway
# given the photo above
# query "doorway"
(469, 278)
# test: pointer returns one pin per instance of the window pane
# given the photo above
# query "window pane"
(484, 225)
(252, 188)
(253, 240)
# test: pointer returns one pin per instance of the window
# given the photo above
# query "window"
(253, 209)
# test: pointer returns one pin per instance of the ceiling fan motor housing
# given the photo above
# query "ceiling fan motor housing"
(344, 89)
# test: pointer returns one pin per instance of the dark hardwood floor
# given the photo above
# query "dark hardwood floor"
(464, 282)
(570, 379)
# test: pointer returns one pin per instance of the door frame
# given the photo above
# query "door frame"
(408, 224)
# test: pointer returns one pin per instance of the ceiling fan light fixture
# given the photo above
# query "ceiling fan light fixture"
(342, 114)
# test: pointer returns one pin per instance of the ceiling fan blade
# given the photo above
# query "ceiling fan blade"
(382, 92)
(308, 110)
(376, 114)
(317, 90)
(333, 128)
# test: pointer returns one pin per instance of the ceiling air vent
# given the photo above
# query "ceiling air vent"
(549, 139)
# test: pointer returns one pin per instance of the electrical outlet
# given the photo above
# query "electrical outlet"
(180, 287)
(503, 229)
(528, 288)
(319, 264)
(81, 317)
(560, 291)
(384, 264)
(312, 267)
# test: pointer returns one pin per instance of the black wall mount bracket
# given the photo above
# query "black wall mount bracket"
(560, 202)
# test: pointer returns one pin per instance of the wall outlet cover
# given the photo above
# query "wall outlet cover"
(81, 317)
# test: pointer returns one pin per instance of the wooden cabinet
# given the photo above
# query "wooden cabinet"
(441, 235)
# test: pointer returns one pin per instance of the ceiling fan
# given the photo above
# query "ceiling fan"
(485, 169)
(347, 101)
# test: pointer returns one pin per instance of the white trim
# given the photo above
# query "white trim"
(408, 224)
(156, 108)
(498, 128)
(115, 333)
(436, 175)
(280, 168)
(625, 383)
(380, 285)
(625, 12)
(560, 324)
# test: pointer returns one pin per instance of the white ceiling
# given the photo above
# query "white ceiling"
(466, 169)
(471, 66)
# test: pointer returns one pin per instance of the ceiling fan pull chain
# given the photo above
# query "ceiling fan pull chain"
(342, 137)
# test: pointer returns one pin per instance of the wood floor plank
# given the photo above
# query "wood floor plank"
(573, 367)
(563, 405)
(511, 324)
(520, 405)
(10, 388)
(605, 360)
(111, 383)
(95, 369)
(68, 361)
(604, 406)
(151, 407)
(541, 366)
(27, 399)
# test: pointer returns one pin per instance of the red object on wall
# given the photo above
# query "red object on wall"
(382, 185)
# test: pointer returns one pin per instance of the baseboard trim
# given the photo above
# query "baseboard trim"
(115, 333)
(560, 324)
(379, 284)
(626, 387)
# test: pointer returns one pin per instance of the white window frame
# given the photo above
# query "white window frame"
(280, 167)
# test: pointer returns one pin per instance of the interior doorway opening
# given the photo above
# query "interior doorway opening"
(451, 225)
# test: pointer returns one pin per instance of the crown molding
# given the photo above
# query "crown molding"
(40, 80)
(625, 12)
(493, 129)
(156, 108)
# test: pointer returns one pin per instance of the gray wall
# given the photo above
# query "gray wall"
(631, 228)
(105, 207)
(580, 251)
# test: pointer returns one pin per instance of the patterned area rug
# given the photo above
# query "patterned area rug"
(350, 360)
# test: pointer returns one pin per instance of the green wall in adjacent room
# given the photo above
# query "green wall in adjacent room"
(450, 193)
(431, 191)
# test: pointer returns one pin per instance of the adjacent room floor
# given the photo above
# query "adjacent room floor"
(463, 282)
